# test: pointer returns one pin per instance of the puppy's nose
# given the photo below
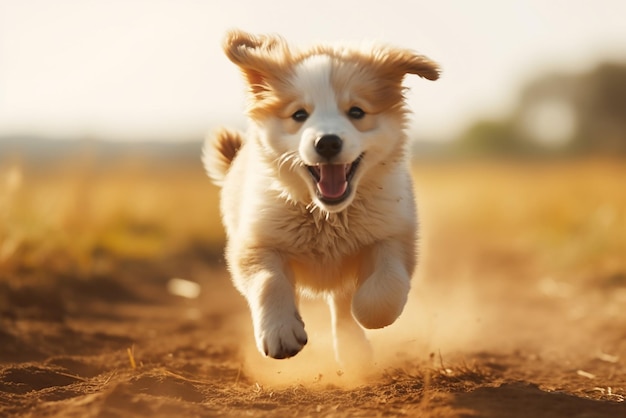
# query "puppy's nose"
(328, 145)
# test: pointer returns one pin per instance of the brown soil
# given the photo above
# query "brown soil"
(518, 310)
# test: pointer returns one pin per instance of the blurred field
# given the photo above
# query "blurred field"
(127, 206)
(518, 307)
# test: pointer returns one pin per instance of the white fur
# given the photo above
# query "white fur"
(284, 241)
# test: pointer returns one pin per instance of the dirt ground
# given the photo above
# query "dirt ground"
(518, 308)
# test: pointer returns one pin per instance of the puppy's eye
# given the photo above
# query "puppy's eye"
(300, 115)
(356, 113)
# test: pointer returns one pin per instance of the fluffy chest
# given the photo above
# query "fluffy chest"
(324, 253)
(326, 238)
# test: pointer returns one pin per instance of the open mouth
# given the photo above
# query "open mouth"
(333, 180)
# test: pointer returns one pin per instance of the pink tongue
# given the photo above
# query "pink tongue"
(332, 184)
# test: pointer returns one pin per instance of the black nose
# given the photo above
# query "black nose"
(328, 145)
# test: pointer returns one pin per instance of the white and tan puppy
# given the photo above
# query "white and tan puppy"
(317, 197)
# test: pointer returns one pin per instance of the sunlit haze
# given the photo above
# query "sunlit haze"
(148, 69)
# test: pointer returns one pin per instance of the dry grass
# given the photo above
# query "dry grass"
(573, 210)
(73, 210)
(569, 214)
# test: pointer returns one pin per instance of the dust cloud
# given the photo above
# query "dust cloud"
(432, 323)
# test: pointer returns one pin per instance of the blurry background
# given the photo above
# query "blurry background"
(154, 69)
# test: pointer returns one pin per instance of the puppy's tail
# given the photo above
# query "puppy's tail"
(218, 153)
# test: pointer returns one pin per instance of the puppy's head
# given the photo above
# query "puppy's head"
(327, 116)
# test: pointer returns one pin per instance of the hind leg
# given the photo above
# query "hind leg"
(352, 349)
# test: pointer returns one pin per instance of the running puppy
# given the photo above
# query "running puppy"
(317, 197)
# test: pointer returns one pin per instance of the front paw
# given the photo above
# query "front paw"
(281, 338)
(380, 300)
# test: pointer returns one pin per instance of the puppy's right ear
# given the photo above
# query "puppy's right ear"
(258, 56)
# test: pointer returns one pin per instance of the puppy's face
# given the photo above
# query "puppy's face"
(327, 115)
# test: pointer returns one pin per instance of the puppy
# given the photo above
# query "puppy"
(317, 197)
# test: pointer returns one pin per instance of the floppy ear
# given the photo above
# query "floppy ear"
(403, 61)
(419, 65)
(258, 56)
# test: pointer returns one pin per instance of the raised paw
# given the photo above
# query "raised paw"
(380, 300)
(282, 338)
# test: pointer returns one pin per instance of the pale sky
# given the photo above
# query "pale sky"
(154, 69)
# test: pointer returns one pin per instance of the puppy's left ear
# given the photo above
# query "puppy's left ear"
(404, 61)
